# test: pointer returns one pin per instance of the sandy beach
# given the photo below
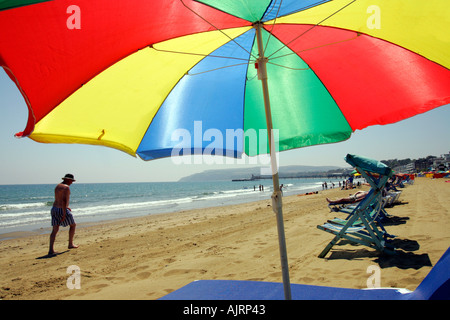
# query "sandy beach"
(148, 257)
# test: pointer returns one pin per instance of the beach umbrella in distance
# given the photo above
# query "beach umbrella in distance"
(176, 77)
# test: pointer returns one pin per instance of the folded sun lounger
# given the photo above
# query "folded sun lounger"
(363, 226)
(376, 213)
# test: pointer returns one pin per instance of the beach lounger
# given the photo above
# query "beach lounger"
(349, 208)
(410, 180)
(351, 201)
(377, 213)
(392, 198)
(435, 286)
(361, 226)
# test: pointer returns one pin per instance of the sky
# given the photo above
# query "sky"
(23, 161)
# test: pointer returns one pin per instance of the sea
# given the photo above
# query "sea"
(27, 207)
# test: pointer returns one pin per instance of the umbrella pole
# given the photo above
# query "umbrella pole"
(276, 196)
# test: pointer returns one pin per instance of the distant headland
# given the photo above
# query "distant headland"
(254, 173)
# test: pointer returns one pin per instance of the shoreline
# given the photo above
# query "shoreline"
(37, 228)
(148, 257)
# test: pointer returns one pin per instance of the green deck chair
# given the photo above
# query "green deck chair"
(361, 227)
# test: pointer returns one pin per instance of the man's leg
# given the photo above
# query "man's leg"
(71, 235)
(52, 239)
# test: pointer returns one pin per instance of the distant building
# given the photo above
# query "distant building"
(446, 157)
(408, 168)
(442, 163)
(422, 165)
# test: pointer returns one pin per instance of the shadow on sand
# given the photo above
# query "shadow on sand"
(404, 257)
(48, 256)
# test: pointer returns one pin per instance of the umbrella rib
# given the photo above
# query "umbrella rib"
(302, 34)
(196, 54)
(279, 65)
(273, 24)
(317, 47)
(198, 73)
(221, 31)
(266, 13)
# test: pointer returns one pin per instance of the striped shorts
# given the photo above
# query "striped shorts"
(57, 215)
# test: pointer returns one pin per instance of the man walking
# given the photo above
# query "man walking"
(61, 213)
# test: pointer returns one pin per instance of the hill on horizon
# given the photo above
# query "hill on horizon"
(246, 173)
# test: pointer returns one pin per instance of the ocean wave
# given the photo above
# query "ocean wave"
(24, 221)
(16, 206)
(111, 208)
(20, 215)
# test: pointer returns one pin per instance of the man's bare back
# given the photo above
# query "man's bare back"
(62, 196)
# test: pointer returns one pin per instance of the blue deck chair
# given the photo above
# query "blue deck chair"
(367, 231)
(435, 286)
(349, 207)
(377, 212)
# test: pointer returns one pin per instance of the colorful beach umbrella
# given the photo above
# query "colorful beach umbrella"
(173, 77)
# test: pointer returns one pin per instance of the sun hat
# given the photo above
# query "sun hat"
(69, 177)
